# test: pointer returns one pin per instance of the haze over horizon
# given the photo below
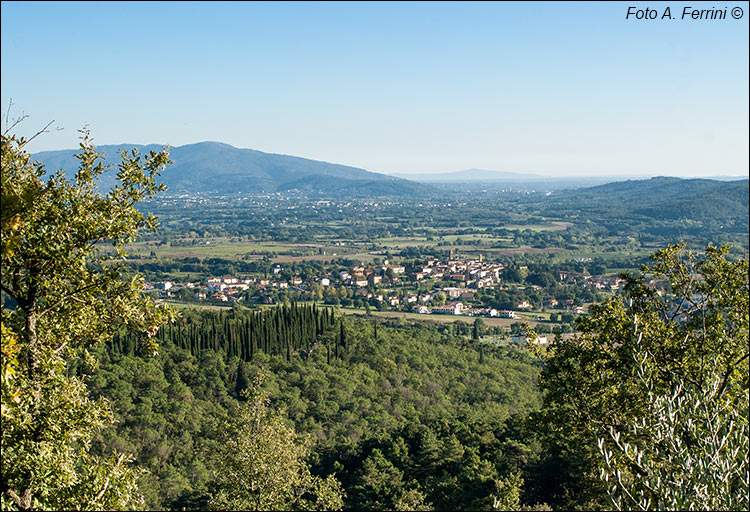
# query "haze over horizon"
(484, 172)
(561, 89)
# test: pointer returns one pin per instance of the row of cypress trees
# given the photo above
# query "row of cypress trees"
(284, 330)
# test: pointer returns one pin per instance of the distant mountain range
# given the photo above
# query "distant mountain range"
(215, 167)
(662, 198)
(480, 175)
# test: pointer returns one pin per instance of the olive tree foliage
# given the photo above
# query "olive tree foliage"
(507, 495)
(689, 451)
(689, 312)
(260, 463)
(62, 294)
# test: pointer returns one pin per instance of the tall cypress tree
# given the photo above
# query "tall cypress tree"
(242, 381)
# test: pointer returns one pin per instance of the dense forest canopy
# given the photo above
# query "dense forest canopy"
(351, 395)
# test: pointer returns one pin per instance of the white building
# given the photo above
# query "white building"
(539, 340)
(449, 309)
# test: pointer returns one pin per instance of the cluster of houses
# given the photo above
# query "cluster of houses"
(223, 289)
(466, 275)
(470, 273)
(360, 276)
(596, 282)
(458, 308)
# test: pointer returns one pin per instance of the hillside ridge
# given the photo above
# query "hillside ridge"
(217, 167)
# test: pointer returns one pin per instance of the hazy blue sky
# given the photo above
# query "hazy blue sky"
(550, 88)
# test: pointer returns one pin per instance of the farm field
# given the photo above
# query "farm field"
(443, 319)
(224, 247)
(183, 305)
(529, 318)
(551, 226)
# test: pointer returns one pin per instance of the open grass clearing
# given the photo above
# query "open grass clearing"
(401, 242)
(479, 240)
(361, 256)
(184, 305)
(547, 226)
(524, 249)
(225, 248)
(550, 226)
(443, 319)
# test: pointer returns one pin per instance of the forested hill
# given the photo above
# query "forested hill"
(220, 168)
(661, 198)
(393, 408)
